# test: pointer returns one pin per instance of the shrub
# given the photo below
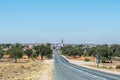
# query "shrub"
(86, 59)
(118, 67)
(110, 67)
(103, 66)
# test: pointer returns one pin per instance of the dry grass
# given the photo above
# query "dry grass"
(24, 70)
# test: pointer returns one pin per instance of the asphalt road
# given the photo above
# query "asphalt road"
(65, 70)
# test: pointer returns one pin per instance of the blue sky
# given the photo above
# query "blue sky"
(74, 21)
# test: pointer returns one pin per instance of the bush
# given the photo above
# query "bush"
(118, 67)
(110, 67)
(103, 66)
(86, 59)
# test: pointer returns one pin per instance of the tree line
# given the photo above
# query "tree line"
(106, 51)
(17, 51)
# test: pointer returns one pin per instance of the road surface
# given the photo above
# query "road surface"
(65, 70)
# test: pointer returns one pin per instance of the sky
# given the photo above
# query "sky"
(74, 21)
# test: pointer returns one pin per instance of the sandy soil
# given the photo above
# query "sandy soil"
(26, 70)
(48, 73)
(110, 68)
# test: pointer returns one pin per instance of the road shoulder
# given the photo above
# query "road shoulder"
(85, 64)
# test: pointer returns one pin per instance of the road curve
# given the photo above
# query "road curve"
(65, 70)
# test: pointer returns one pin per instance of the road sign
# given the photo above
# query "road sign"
(97, 59)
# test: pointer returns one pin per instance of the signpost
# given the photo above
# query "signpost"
(98, 59)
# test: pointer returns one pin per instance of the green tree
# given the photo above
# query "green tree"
(85, 52)
(48, 45)
(40, 49)
(5, 46)
(105, 52)
(33, 55)
(79, 51)
(18, 45)
(29, 52)
(92, 51)
(48, 52)
(115, 50)
(72, 51)
(66, 50)
(37, 50)
(15, 52)
(43, 50)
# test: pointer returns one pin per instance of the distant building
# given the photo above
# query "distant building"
(58, 45)
(5, 49)
(30, 46)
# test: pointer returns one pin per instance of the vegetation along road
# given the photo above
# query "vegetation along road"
(65, 70)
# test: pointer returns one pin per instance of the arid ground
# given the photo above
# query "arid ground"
(26, 70)
(106, 67)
